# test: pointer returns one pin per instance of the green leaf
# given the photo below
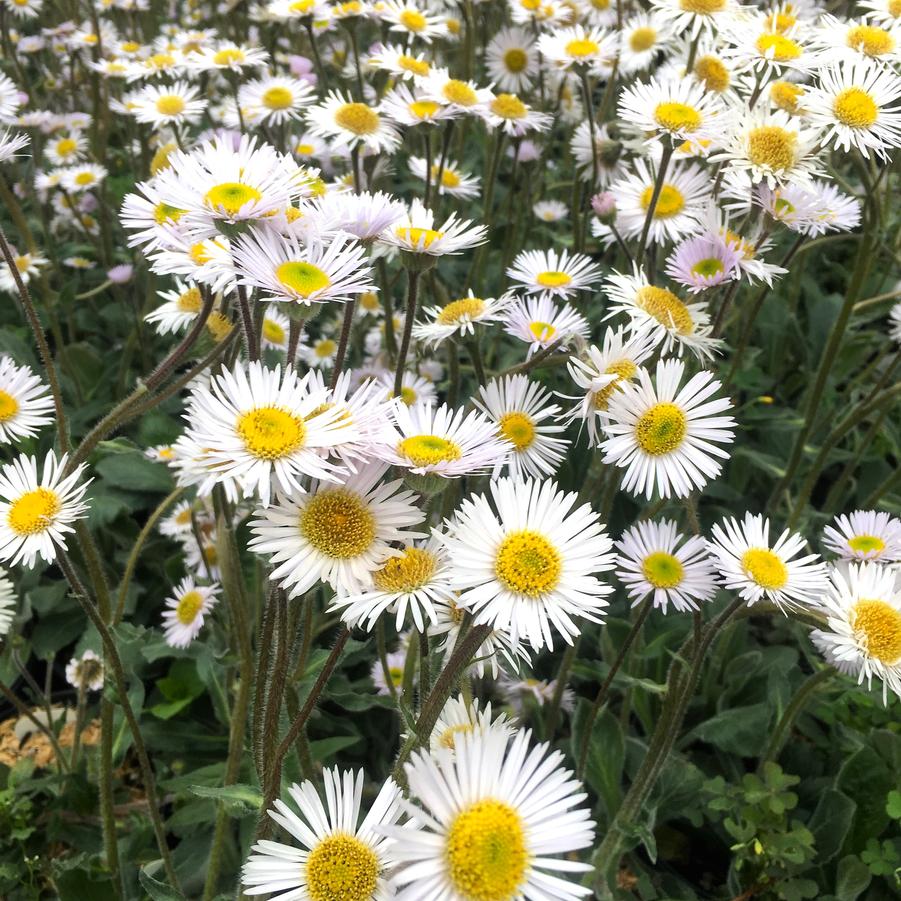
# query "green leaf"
(741, 730)
(606, 754)
(865, 778)
(893, 804)
(134, 472)
(158, 891)
(852, 878)
(237, 798)
(831, 822)
(327, 747)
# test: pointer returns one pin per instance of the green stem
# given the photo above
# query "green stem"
(665, 155)
(409, 317)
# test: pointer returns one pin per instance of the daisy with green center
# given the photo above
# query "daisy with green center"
(441, 441)
(286, 269)
(528, 562)
(552, 274)
(577, 47)
(856, 105)
(654, 559)
(677, 109)
(703, 262)
(453, 181)
(674, 324)
(459, 317)
(185, 611)
(511, 60)
(462, 717)
(37, 510)
(601, 371)
(863, 634)
(666, 436)
(521, 411)
(174, 104)
(338, 534)
(348, 123)
(85, 673)
(416, 233)
(542, 323)
(25, 402)
(340, 858)
(757, 571)
(865, 535)
(7, 603)
(410, 20)
(494, 817)
(393, 670)
(406, 585)
(275, 100)
(256, 425)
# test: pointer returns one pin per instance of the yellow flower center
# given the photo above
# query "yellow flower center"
(623, 369)
(866, 544)
(713, 73)
(33, 511)
(130, 46)
(270, 433)
(188, 607)
(662, 570)
(85, 178)
(9, 406)
(189, 301)
(273, 332)
(231, 196)
(429, 450)
(870, 40)
(786, 95)
(229, 56)
(542, 331)
(581, 48)
(302, 6)
(411, 64)
(772, 147)
(778, 47)
(642, 39)
(677, 116)
(407, 395)
(661, 429)
(357, 118)
(325, 348)
(170, 105)
(418, 237)
(670, 201)
(413, 20)
(369, 301)
(401, 575)
(553, 279)
(160, 159)
(342, 868)
(515, 60)
(163, 213)
(518, 429)
(338, 524)
(702, 7)
(894, 8)
(486, 852)
(305, 149)
(509, 106)
(423, 109)
(464, 310)
(448, 738)
(277, 98)
(66, 147)
(459, 92)
(855, 108)
(183, 517)
(527, 563)
(764, 567)
(219, 325)
(877, 625)
(449, 178)
(161, 61)
(303, 279)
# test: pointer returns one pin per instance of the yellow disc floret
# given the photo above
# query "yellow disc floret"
(670, 201)
(429, 450)
(662, 570)
(357, 118)
(188, 607)
(877, 625)
(553, 279)
(518, 429)
(866, 544)
(527, 563)
(33, 511)
(303, 279)
(406, 573)
(338, 524)
(9, 406)
(677, 117)
(772, 147)
(855, 108)
(342, 868)
(509, 106)
(270, 433)
(231, 196)
(661, 429)
(765, 568)
(666, 308)
(464, 310)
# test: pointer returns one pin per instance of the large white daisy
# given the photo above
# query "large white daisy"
(25, 402)
(865, 535)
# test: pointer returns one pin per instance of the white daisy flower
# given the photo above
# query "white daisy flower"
(665, 436)
(36, 510)
(338, 534)
(395, 59)
(521, 693)
(695, 17)
(460, 317)
(410, 583)
(415, 389)
(750, 566)
(674, 324)
(496, 814)
(550, 210)
(508, 112)
(512, 60)
(442, 441)
(552, 274)
(7, 603)
(655, 558)
(310, 148)
(462, 717)
(608, 152)
(409, 19)
(856, 106)
(275, 328)
(286, 269)
(408, 107)
(254, 424)
(759, 45)
(185, 611)
(82, 177)
(881, 10)
(179, 523)
(865, 535)
(180, 309)
(578, 46)
(364, 215)
(10, 100)
(275, 99)
(347, 123)
(174, 104)
(895, 323)
(531, 566)
(600, 373)
(520, 408)
(86, 672)
(25, 402)
(227, 56)
(416, 233)
(465, 96)
(396, 667)
(643, 37)
(851, 40)
(339, 855)
(64, 150)
(454, 181)
(863, 638)
(540, 323)
(319, 353)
